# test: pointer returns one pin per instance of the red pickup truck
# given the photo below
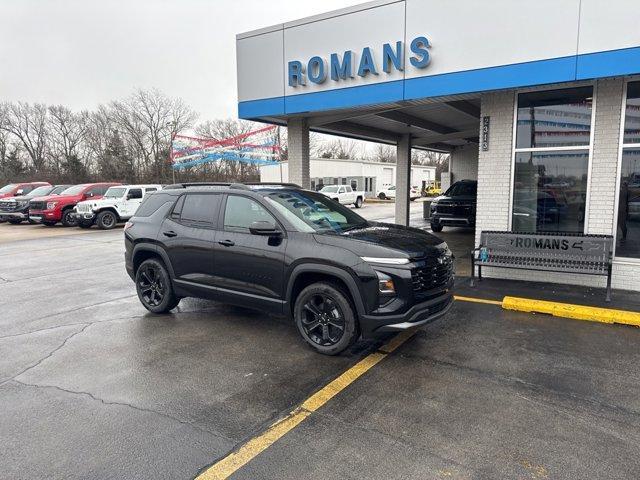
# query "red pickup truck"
(59, 208)
(17, 189)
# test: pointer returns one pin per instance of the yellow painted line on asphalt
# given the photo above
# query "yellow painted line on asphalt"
(477, 300)
(247, 452)
(576, 312)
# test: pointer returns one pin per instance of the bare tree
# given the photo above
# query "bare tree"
(67, 131)
(340, 148)
(384, 153)
(28, 123)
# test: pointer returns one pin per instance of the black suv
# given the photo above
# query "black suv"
(456, 207)
(285, 250)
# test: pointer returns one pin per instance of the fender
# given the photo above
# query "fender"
(150, 247)
(329, 270)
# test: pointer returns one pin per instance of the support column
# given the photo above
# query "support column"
(403, 179)
(298, 142)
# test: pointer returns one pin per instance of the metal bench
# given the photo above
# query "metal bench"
(550, 252)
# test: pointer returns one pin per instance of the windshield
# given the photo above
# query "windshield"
(75, 190)
(313, 212)
(330, 189)
(462, 189)
(8, 188)
(40, 191)
(58, 190)
(115, 192)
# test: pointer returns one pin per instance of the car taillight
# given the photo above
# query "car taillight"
(128, 225)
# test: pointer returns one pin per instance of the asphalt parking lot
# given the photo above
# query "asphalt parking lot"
(93, 386)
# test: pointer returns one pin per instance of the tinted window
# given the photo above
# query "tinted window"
(628, 236)
(550, 191)
(462, 189)
(177, 208)
(152, 203)
(135, 193)
(241, 212)
(632, 114)
(149, 190)
(554, 118)
(200, 208)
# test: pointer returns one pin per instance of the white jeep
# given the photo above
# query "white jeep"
(118, 204)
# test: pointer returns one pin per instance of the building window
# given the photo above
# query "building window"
(354, 184)
(628, 228)
(344, 181)
(336, 181)
(553, 138)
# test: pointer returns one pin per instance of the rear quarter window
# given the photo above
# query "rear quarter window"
(152, 202)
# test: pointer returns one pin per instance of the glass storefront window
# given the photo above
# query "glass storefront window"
(552, 160)
(550, 191)
(632, 114)
(554, 118)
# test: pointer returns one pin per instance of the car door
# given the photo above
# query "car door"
(131, 202)
(341, 196)
(249, 267)
(187, 236)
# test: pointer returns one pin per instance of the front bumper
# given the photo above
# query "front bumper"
(84, 216)
(452, 221)
(40, 216)
(13, 215)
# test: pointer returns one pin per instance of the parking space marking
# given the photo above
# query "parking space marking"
(478, 300)
(236, 460)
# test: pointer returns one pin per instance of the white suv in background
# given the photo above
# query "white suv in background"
(118, 204)
(390, 192)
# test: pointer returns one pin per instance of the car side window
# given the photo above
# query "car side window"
(135, 193)
(241, 212)
(177, 208)
(341, 190)
(200, 208)
(348, 189)
(150, 190)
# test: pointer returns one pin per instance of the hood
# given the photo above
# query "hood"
(386, 240)
(98, 201)
(17, 199)
(59, 198)
(457, 199)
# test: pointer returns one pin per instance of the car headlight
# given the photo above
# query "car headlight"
(385, 284)
(51, 205)
(23, 203)
(433, 206)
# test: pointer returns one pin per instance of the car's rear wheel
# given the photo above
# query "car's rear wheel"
(325, 318)
(359, 202)
(382, 196)
(435, 227)
(154, 288)
(106, 220)
(15, 221)
(68, 219)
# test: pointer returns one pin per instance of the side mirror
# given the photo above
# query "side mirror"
(89, 195)
(264, 228)
(19, 192)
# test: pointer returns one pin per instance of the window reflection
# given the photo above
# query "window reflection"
(554, 118)
(628, 235)
(550, 191)
(632, 114)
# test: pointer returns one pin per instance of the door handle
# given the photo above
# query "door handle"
(170, 233)
(227, 243)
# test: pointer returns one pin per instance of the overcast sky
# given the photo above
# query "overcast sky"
(84, 52)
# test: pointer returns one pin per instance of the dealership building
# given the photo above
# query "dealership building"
(538, 101)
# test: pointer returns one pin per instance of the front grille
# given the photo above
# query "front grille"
(33, 205)
(433, 275)
(455, 209)
(8, 206)
(83, 208)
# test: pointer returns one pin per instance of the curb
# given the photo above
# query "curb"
(563, 310)
(576, 312)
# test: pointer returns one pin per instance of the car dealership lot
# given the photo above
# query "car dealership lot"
(93, 386)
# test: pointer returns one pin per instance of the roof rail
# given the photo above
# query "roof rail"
(234, 185)
(280, 184)
(197, 184)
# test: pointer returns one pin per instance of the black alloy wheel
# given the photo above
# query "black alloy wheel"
(382, 196)
(154, 287)
(325, 318)
(68, 218)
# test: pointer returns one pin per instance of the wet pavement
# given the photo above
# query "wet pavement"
(94, 386)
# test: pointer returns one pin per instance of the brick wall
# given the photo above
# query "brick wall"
(494, 181)
(464, 163)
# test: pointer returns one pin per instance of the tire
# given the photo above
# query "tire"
(154, 287)
(382, 196)
(327, 307)
(67, 219)
(436, 227)
(31, 222)
(358, 203)
(106, 220)
(49, 224)
(15, 221)
(82, 224)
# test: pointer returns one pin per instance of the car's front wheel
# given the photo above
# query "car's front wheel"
(106, 220)
(15, 221)
(358, 203)
(154, 288)
(84, 224)
(69, 219)
(436, 227)
(382, 196)
(325, 318)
